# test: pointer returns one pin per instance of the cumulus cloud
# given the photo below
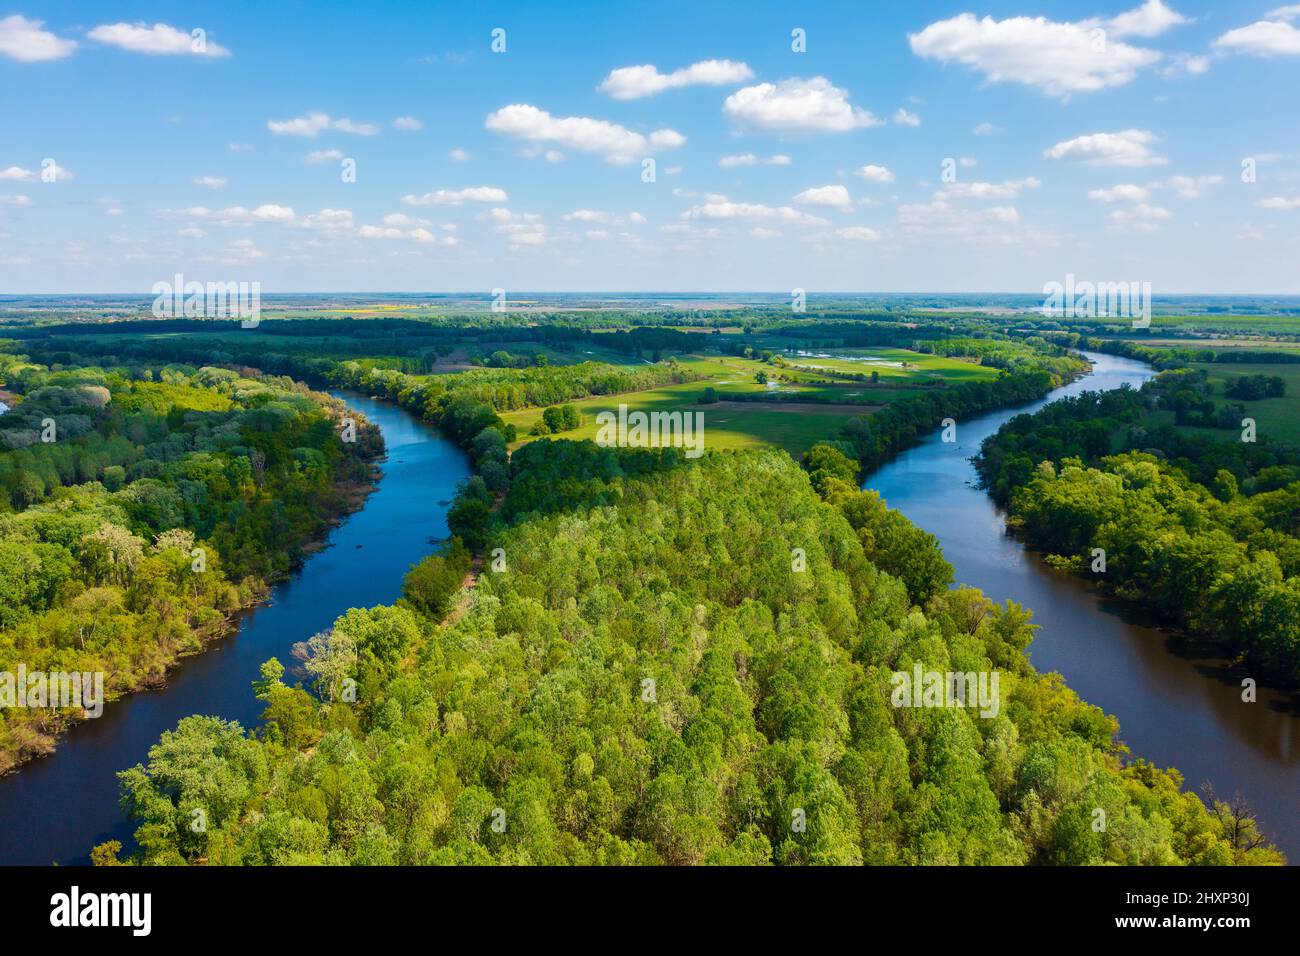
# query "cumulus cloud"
(1140, 218)
(407, 124)
(458, 155)
(617, 144)
(634, 82)
(1189, 187)
(858, 233)
(1058, 58)
(985, 129)
(1279, 202)
(750, 159)
(457, 197)
(210, 182)
(235, 215)
(903, 118)
(720, 208)
(1007, 189)
(1130, 147)
(837, 197)
(940, 220)
(317, 122)
(318, 156)
(602, 217)
(797, 105)
(15, 199)
(875, 174)
(1262, 38)
(157, 40)
(24, 40)
(1149, 20)
(1126, 192)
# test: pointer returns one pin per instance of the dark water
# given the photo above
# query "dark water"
(56, 808)
(1171, 710)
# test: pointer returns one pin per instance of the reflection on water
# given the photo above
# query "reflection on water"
(56, 808)
(1172, 711)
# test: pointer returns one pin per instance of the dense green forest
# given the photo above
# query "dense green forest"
(671, 661)
(1205, 530)
(140, 506)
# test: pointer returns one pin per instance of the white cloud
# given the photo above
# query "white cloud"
(329, 220)
(985, 129)
(903, 118)
(1126, 192)
(1262, 38)
(235, 215)
(837, 197)
(1189, 187)
(602, 217)
(24, 40)
(318, 156)
(634, 82)
(52, 173)
(1140, 218)
(316, 122)
(191, 232)
(858, 233)
(457, 197)
(407, 124)
(875, 174)
(940, 220)
(763, 232)
(967, 161)
(615, 143)
(1007, 189)
(797, 105)
(157, 40)
(1058, 58)
(1290, 12)
(458, 155)
(15, 199)
(1149, 20)
(1279, 202)
(240, 147)
(1188, 63)
(1130, 147)
(721, 208)
(417, 234)
(210, 182)
(750, 159)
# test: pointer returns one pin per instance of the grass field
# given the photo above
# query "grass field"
(1277, 418)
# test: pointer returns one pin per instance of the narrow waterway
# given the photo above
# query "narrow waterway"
(53, 810)
(1172, 711)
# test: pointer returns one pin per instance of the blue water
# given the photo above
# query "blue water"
(56, 808)
(1171, 710)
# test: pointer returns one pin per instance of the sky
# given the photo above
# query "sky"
(981, 146)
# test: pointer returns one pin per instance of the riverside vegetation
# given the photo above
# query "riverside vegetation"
(140, 507)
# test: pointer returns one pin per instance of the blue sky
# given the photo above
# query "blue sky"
(1098, 138)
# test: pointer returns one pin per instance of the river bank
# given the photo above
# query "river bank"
(60, 806)
(1172, 710)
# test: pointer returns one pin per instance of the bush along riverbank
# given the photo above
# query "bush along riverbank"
(141, 507)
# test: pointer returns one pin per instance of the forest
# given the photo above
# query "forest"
(141, 506)
(674, 662)
(1203, 530)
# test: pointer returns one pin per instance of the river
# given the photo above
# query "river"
(1172, 710)
(53, 810)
